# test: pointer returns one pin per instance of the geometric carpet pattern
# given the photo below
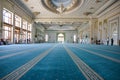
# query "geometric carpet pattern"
(55, 61)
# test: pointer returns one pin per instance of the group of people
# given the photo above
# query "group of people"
(6, 41)
(3, 42)
(108, 42)
(112, 41)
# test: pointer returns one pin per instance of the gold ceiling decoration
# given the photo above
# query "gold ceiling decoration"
(61, 6)
(36, 13)
(97, 1)
(87, 13)
(26, 0)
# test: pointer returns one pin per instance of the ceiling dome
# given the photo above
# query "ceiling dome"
(61, 6)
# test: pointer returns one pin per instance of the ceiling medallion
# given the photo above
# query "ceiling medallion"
(61, 6)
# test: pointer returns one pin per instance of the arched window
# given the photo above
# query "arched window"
(61, 38)
(74, 38)
(46, 38)
(7, 24)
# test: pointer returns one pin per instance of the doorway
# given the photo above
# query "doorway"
(114, 31)
(114, 36)
(61, 38)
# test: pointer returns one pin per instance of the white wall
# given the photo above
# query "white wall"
(38, 30)
(53, 35)
(109, 17)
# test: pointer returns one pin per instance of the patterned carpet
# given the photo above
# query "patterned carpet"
(50, 61)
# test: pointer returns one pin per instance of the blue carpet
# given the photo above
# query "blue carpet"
(56, 66)
(11, 63)
(104, 47)
(110, 54)
(109, 70)
(103, 52)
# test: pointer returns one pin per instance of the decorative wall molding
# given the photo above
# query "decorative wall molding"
(103, 8)
(114, 26)
(60, 20)
(114, 5)
(20, 5)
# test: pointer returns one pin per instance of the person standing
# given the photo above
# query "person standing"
(112, 41)
(107, 41)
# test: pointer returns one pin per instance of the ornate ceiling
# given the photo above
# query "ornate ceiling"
(61, 26)
(68, 13)
(61, 6)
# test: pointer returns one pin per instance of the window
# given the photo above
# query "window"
(24, 36)
(29, 32)
(7, 32)
(29, 27)
(17, 21)
(24, 24)
(17, 35)
(61, 38)
(74, 38)
(17, 28)
(46, 37)
(7, 25)
(7, 16)
(21, 32)
(29, 35)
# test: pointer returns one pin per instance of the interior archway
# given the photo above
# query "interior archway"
(61, 38)
(114, 36)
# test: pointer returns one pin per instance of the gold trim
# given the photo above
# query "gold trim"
(113, 15)
(105, 21)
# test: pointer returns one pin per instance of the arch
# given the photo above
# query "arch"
(60, 37)
(115, 34)
(46, 38)
(104, 33)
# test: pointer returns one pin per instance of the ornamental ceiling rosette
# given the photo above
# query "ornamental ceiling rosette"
(61, 6)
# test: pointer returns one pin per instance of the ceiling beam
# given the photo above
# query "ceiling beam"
(63, 20)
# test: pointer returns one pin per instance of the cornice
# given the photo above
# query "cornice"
(49, 20)
(105, 6)
(21, 6)
(59, 30)
(113, 7)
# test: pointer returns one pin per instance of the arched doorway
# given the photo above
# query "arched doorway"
(61, 38)
(115, 35)
(114, 30)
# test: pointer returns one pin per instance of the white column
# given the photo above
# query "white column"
(32, 32)
(13, 27)
(103, 32)
(27, 33)
(21, 33)
(98, 31)
(92, 26)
